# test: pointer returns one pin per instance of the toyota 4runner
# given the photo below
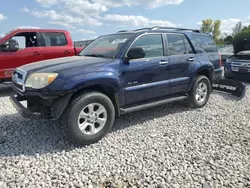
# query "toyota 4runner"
(117, 74)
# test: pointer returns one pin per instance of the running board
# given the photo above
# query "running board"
(234, 87)
(151, 104)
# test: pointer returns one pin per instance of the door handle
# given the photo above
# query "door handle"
(191, 59)
(163, 62)
(37, 53)
(67, 52)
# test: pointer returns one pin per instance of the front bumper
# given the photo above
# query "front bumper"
(236, 75)
(16, 101)
(38, 107)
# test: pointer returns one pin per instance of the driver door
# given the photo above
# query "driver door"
(146, 78)
(28, 52)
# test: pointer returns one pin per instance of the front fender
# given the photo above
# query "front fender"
(94, 78)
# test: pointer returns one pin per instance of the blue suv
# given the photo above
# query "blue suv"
(237, 66)
(117, 74)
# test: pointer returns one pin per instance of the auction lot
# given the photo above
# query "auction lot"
(168, 146)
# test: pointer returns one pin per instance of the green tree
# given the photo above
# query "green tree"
(216, 30)
(207, 26)
(228, 40)
(213, 27)
(237, 29)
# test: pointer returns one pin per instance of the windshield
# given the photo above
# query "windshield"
(106, 46)
(226, 49)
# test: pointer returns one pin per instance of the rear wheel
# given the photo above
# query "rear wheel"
(89, 117)
(200, 92)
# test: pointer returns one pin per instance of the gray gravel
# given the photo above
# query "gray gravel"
(169, 146)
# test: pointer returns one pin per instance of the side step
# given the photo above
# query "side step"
(151, 104)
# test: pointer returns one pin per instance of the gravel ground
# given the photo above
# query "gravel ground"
(169, 146)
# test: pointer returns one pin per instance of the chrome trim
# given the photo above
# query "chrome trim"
(19, 81)
(142, 35)
(241, 64)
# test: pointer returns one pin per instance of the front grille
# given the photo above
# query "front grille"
(19, 87)
(18, 79)
(242, 64)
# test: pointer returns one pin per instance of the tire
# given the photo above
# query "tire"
(103, 122)
(201, 82)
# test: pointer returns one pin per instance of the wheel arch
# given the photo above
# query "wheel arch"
(107, 90)
(206, 70)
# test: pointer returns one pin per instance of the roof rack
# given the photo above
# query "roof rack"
(123, 31)
(167, 28)
(175, 28)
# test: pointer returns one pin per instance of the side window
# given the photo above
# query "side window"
(24, 39)
(189, 49)
(53, 39)
(176, 44)
(21, 41)
(203, 43)
(152, 44)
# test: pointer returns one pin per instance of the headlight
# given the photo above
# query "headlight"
(40, 80)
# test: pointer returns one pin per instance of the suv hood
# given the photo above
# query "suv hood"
(72, 65)
(241, 44)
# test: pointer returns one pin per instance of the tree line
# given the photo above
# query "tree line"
(213, 27)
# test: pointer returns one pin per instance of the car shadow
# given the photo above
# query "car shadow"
(19, 136)
(5, 90)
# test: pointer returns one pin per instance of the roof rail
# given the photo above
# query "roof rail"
(174, 28)
(148, 28)
(159, 28)
(122, 31)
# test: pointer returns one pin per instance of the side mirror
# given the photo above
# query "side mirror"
(10, 46)
(4, 47)
(136, 53)
(13, 45)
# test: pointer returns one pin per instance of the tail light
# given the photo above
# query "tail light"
(220, 59)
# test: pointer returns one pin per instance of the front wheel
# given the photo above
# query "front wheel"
(90, 117)
(200, 92)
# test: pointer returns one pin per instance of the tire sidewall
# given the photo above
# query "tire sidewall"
(73, 115)
(193, 100)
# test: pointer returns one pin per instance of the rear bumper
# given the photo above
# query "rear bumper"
(40, 108)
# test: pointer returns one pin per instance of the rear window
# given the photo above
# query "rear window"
(53, 39)
(203, 43)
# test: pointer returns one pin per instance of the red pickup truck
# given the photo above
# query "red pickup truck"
(22, 46)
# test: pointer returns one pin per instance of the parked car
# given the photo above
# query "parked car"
(22, 46)
(237, 66)
(82, 43)
(117, 74)
(226, 52)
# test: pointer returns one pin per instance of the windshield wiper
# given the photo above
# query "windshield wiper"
(97, 55)
(94, 55)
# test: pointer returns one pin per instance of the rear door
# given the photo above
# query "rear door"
(206, 49)
(181, 59)
(55, 45)
(147, 78)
